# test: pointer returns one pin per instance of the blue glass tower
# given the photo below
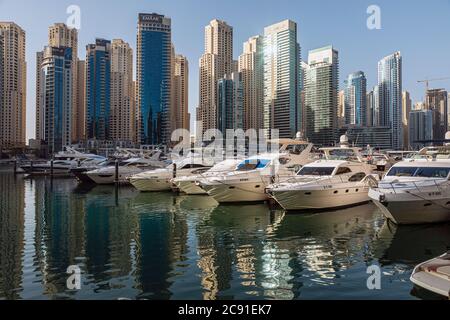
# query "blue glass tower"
(98, 82)
(390, 96)
(230, 104)
(356, 99)
(56, 77)
(153, 79)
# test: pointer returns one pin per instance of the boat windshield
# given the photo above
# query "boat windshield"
(316, 171)
(343, 154)
(253, 164)
(422, 172)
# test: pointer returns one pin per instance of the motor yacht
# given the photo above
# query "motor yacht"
(63, 162)
(126, 169)
(434, 275)
(415, 192)
(248, 181)
(89, 165)
(190, 184)
(162, 179)
(325, 184)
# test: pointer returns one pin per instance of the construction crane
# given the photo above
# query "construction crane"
(427, 85)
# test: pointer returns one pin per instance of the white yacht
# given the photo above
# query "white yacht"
(247, 183)
(415, 192)
(190, 184)
(62, 163)
(325, 184)
(434, 275)
(162, 179)
(126, 168)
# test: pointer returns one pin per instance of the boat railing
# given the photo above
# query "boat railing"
(326, 180)
(429, 185)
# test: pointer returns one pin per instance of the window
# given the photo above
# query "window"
(402, 172)
(316, 171)
(432, 172)
(423, 172)
(254, 164)
(357, 177)
(343, 170)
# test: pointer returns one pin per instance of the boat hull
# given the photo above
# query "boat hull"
(237, 193)
(405, 209)
(434, 276)
(190, 188)
(81, 175)
(299, 200)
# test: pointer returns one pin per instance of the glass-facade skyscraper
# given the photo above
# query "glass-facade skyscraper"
(282, 79)
(153, 79)
(390, 96)
(230, 103)
(56, 85)
(321, 96)
(356, 99)
(420, 124)
(98, 86)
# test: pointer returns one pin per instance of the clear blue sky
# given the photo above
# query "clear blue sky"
(419, 29)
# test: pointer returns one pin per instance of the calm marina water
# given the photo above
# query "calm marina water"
(164, 246)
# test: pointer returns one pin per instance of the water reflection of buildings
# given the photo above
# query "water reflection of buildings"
(109, 229)
(59, 232)
(230, 242)
(12, 205)
(80, 228)
(314, 249)
(161, 243)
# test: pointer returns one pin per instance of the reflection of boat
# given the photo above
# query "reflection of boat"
(411, 245)
(197, 202)
(415, 192)
(434, 275)
(325, 184)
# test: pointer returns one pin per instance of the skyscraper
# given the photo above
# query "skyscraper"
(13, 94)
(436, 101)
(40, 107)
(341, 109)
(356, 99)
(98, 90)
(122, 98)
(375, 106)
(2, 62)
(61, 36)
(420, 127)
(251, 67)
(390, 96)
(153, 79)
(80, 125)
(215, 63)
(321, 100)
(56, 86)
(230, 109)
(406, 105)
(282, 79)
(180, 93)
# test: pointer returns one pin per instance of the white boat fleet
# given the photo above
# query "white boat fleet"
(408, 189)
